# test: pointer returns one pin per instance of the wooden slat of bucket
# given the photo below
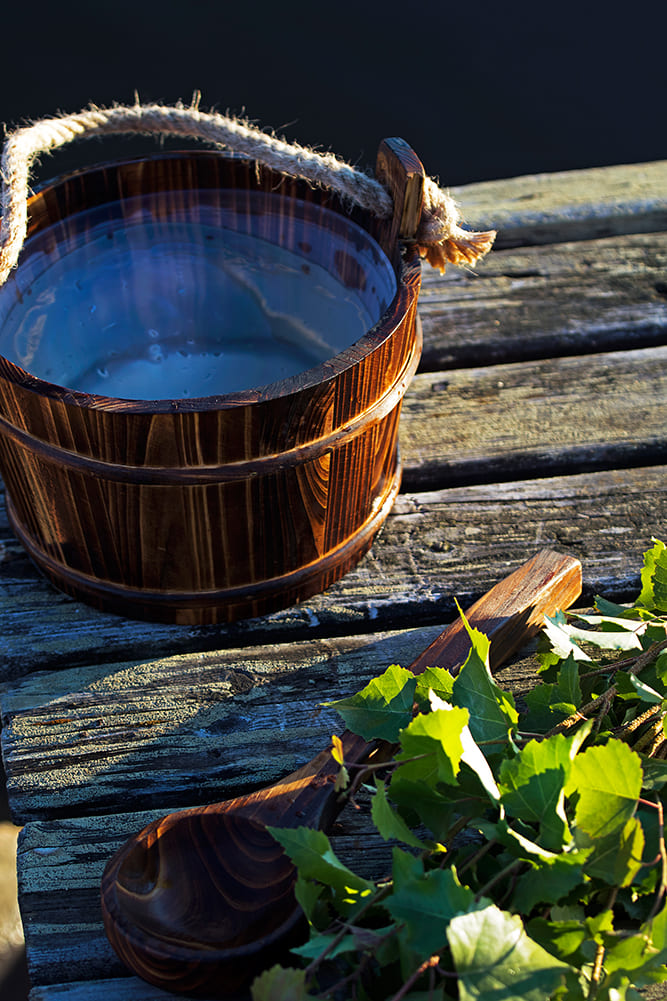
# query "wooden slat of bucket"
(197, 512)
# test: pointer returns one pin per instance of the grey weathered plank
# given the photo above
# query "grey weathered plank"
(544, 301)
(536, 418)
(181, 730)
(570, 205)
(196, 727)
(190, 729)
(433, 547)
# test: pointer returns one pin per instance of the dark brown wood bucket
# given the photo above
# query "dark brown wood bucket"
(226, 506)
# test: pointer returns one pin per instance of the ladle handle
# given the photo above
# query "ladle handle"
(510, 614)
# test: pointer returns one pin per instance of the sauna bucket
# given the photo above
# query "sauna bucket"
(210, 501)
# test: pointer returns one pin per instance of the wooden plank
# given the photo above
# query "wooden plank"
(540, 302)
(535, 418)
(107, 989)
(190, 729)
(569, 205)
(434, 546)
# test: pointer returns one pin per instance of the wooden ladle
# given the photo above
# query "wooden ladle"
(202, 900)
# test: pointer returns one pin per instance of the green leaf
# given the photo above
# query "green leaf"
(492, 711)
(645, 692)
(567, 939)
(319, 944)
(617, 857)
(382, 708)
(641, 956)
(532, 788)
(279, 984)
(311, 852)
(424, 904)
(622, 639)
(655, 774)
(548, 883)
(607, 780)
(436, 808)
(495, 960)
(389, 823)
(472, 755)
(557, 632)
(610, 608)
(434, 679)
(308, 894)
(545, 708)
(653, 594)
(437, 736)
(568, 688)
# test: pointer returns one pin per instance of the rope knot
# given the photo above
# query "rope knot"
(440, 236)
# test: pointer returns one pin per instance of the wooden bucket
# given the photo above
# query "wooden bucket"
(217, 507)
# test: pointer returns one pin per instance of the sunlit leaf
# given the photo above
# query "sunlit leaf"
(382, 708)
(533, 782)
(311, 852)
(495, 959)
(437, 736)
(653, 594)
(492, 711)
(434, 679)
(557, 631)
(607, 780)
(472, 754)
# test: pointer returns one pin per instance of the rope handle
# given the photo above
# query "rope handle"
(440, 237)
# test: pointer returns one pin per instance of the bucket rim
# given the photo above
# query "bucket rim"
(406, 267)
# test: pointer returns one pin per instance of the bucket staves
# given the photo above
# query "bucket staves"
(208, 508)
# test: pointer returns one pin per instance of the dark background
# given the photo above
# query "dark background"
(480, 90)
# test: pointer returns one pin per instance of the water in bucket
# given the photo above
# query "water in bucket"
(184, 294)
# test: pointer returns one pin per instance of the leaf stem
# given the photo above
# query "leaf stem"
(662, 850)
(510, 868)
(598, 706)
(428, 964)
(345, 927)
(596, 973)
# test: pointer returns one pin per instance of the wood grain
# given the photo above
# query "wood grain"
(197, 511)
(61, 867)
(570, 205)
(110, 687)
(434, 546)
(547, 302)
(536, 418)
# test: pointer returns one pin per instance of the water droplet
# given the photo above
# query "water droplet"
(103, 373)
(155, 352)
(153, 333)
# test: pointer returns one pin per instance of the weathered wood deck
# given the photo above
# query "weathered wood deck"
(538, 419)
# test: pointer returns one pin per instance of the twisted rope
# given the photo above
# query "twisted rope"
(440, 237)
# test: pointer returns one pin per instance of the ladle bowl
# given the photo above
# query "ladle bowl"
(202, 900)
